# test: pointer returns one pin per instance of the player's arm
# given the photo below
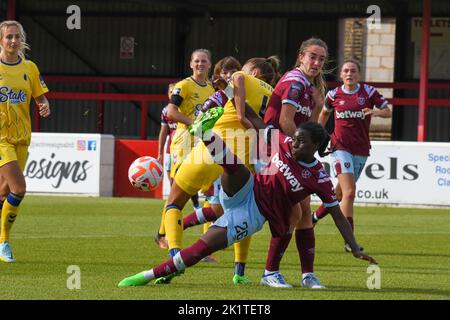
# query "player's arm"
(346, 231)
(43, 105)
(286, 122)
(163, 132)
(323, 116)
(382, 113)
(326, 110)
(255, 120)
(378, 101)
(239, 100)
(290, 101)
(175, 115)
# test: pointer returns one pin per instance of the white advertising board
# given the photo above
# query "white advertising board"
(70, 164)
(404, 173)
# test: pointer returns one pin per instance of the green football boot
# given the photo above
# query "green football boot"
(134, 281)
(237, 279)
(168, 278)
(206, 121)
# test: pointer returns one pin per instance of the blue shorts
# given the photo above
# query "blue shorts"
(241, 217)
(345, 162)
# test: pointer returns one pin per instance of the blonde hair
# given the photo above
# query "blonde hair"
(23, 37)
(319, 80)
(170, 89)
(269, 68)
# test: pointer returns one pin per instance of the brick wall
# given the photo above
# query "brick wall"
(375, 50)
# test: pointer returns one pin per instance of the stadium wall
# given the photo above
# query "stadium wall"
(165, 32)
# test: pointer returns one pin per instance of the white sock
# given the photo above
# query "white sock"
(200, 216)
(149, 275)
(266, 272)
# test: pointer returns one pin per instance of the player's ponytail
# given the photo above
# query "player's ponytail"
(268, 68)
(275, 62)
(23, 37)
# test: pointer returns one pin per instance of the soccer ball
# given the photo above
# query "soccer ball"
(145, 173)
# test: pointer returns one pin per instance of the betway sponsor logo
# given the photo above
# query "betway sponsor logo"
(304, 110)
(348, 114)
(286, 171)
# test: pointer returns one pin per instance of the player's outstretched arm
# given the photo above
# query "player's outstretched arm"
(347, 233)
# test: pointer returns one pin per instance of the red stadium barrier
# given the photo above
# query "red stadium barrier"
(144, 99)
(126, 151)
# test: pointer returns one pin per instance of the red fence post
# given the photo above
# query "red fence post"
(424, 54)
(144, 106)
(100, 110)
(36, 119)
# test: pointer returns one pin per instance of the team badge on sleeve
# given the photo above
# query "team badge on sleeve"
(42, 81)
(294, 92)
(176, 91)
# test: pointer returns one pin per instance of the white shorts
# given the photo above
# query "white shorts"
(345, 162)
(241, 217)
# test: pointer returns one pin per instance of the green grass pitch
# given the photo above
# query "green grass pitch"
(111, 238)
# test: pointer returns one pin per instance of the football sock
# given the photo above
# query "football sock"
(314, 218)
(278, 246)
(194, 200)
(350, 220)
(9, 213)
(185, 258)
(206, 226)
(162, 229)
(174, 251)
(174, 226)
(208, 223)
(239, 268)
(306, 243)
(241, 249)
(267, 272)
(199, 216)
(321, 212)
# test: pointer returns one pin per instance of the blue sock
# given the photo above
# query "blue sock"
(14, 199)
(174, 251)
(239, 268)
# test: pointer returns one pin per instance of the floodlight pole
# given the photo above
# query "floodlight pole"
(424, 59)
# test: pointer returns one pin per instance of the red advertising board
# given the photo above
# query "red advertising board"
(126, 151)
